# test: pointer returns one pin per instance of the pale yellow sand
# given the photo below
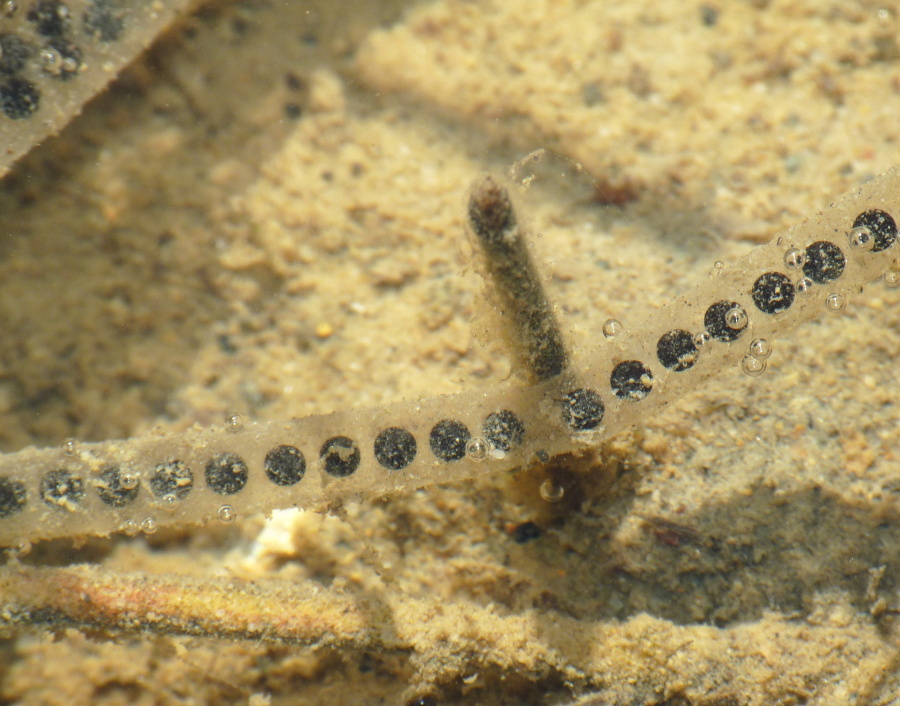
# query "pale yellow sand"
(187, 250)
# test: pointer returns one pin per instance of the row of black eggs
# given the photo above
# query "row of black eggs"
(56, 54)
(395, 448)
(227, 473)
(772, 293)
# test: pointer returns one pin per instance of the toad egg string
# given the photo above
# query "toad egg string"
(730, 319)
(55, 55)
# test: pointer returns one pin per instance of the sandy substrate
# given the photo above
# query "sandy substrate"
(265, 217)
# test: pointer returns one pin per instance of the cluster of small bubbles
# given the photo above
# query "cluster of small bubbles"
(861, 238)
(736, 319)
(149, 525)
(760, 348)
(804, 285)
(612, 328)
(835, 303)
(478, 449)
(552, 491)
(226, 514)
(753, 366)
(702, 338)
(70, 447)
(130, 527)
(794, 258)
(234, 422)
(892, 278)
(129, 480)
(168, 502)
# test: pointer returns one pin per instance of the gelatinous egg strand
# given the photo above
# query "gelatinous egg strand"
(55, 55)
(142, 484)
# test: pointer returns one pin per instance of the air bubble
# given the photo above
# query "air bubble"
(552, 491)
(51, 61)
(70, 447)
(753, 366)
(129, 480)
(169, 502)
(130, 527)
(22, 549)
(478, 449)
(234, 422)
(760, 348)
(835, 303)
(612, 328)
(702, 338)
(8, 8)
(736, 319)
(226, 514)
(149, 525)
(794, 258)
(861, 238)
(803, 285)
(892, 278)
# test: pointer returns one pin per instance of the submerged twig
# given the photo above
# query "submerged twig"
(534, 333)
(446, 641)
(112, 604)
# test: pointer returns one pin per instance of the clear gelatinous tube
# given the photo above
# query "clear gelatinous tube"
(146, 483)
(58, 54)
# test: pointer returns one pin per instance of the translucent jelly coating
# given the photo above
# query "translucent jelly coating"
(55, 55)
(158, 480)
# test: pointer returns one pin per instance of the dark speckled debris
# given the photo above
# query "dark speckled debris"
(526, 532)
